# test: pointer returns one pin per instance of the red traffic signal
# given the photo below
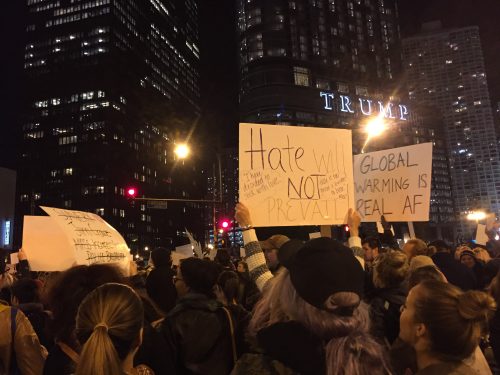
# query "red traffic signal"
(131, 192)
(225, 224)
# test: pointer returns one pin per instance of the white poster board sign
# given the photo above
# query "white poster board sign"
(481, 237)
(395, 183)
(290, 175)
(46, 245)
(177, 257)
(69, 237)
(186, 250)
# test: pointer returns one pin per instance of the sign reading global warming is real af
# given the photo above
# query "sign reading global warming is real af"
(295, 175)
(395, 183)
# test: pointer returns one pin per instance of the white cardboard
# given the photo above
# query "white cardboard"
(395, 183)
(290, 175)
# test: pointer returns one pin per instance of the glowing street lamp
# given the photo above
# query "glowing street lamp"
(181, 150)
(374, 128)
(476, 215)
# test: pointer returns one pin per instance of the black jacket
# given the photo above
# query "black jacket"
(385, 307)
(286, 348)
(455, 272)
(161, 289)
(38, 318)
(198, 336)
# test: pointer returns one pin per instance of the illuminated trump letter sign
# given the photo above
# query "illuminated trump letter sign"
(366, 107)
(395, 183)
(292, 175)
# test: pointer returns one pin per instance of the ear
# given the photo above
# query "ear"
(421, 330)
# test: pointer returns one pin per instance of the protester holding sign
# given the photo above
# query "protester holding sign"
(311, 318)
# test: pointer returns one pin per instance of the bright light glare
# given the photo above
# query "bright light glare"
(182, 151)
(375, 127)
(476, 216)
(210, 246)
(225, 224)
(131, 191)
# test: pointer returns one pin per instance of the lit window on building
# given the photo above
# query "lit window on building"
(301, 76)
(68, 171)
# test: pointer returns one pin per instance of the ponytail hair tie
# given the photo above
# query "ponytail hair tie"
(103, 325)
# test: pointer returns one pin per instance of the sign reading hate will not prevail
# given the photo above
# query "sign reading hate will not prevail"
(395, 183)
(291, 175)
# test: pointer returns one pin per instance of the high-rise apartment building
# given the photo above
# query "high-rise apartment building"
(445, 68)
(110, 85)
(335, 63)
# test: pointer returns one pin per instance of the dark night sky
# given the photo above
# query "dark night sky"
(219, 86)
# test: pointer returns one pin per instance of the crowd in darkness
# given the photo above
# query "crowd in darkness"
(288, 307)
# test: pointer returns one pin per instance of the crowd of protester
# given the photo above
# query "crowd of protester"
(288, 307)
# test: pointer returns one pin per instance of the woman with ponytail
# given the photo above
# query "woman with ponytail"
(311, 318)
(109, 328)
(444, 325)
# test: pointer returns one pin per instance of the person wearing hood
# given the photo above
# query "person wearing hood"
(160, 281)
(389, 274)
(468, 258)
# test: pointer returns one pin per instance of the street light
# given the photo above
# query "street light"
(181, 150)
(374, 128)
(476, 215)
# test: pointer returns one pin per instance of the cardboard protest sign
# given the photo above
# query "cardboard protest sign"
(395, 183)
(46, 245)
(291, 175)
(186, 250)
(481, 237)
(177, 257)
(69, 237)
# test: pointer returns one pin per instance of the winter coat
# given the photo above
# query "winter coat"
(285, 348)
(198, 337)
(29, 353)
(38, 318)
(455, 272)
(385, 309)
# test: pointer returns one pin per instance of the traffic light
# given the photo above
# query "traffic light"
(224, 224)
(131, 192)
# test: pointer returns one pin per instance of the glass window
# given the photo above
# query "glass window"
(301, 76)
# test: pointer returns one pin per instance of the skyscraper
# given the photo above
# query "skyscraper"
(291, 51)
(335, 63)
(446, 69)
(110, 86)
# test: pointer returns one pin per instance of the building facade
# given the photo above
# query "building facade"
(445, 68)
(111, 85)
(337, 63)
(7, 205)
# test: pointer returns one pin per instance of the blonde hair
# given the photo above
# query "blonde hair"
(108, 326)
(455, 320)
(390, 269)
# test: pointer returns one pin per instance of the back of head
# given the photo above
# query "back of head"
(453, 319)
(440, 246)
(335, 313)
(69, 288)
(390, 269)
(108, 326)
(199, 275)
(161, 257)
(420, 261)
(424, 273)
(223, 258)
(373, 242)
(417, 246)
(229, 283)
(26, 291)
(274, 242)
